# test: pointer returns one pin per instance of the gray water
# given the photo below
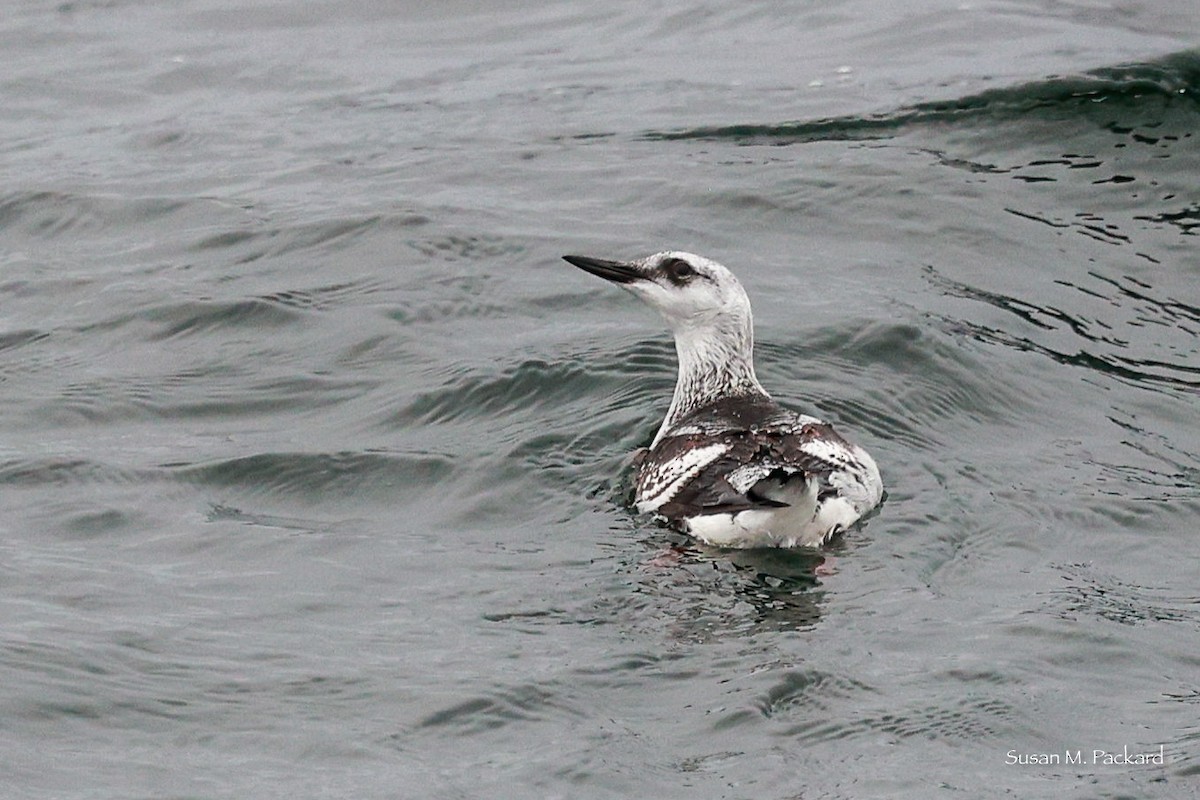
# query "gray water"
(313, 451)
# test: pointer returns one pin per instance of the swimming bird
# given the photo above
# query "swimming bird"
(729, 465)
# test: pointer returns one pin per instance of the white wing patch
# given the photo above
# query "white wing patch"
(745, 476)
(835, 453)
(661, 482)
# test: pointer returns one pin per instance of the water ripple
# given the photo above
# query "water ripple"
(1087, 592)
(1106, 339)
(802, 690)
(52, 214)
(388, 475)
(1172, 79)
(523, 388)
(900, 382)
(973, 718)
(250, 244)
(497, 709)
(63, 471)
(207, 391)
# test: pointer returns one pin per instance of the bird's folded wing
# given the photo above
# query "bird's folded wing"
(688, 475)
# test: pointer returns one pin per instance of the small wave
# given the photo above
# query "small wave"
(323, 298)
(16, 339)
(207, 315)
(497, 709)
(451, 297)
(895, 380)
(63, 471)
(1131, 371)
(210, 391)
(1174, 79)
(297, 475)
(1168, 469)
(968, 718)
(443, 311)
(303, 476)
(200, 316)
(249, 244)
(466, 248)
(529, 385)
(808, 689)
(48, 215)
(1186, 219)
(1088, 593)
(1116, 343)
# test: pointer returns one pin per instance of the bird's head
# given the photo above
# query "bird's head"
(693, 293)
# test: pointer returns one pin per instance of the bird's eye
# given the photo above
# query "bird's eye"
(678, 270)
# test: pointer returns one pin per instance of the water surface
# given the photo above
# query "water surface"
(313, 452)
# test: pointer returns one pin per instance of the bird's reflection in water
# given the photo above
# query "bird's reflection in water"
(731, 593)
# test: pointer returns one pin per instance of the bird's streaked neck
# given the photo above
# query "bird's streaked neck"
(713, 364)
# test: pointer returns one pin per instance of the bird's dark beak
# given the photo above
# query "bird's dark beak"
(615, 271)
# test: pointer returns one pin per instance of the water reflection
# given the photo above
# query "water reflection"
(714, 594)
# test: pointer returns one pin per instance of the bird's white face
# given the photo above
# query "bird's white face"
(693, 293)
(708, 313)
